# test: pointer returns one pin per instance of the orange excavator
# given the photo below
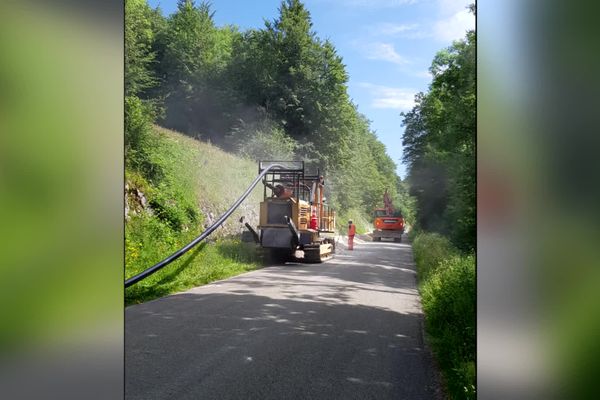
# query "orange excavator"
(387, 223)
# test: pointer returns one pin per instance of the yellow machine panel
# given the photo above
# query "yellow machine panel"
(295, 220)
(273, 210)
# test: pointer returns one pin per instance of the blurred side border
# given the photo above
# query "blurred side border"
(538, 200)
(61, 199)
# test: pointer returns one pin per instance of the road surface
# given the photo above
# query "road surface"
(350, 328)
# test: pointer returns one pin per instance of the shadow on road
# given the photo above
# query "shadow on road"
(350, 328)
(367, 264)
(239, 345)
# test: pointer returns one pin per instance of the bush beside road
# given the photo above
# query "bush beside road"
(448, 290)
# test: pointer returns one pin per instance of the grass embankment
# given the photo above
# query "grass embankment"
(187, 185)
(447, 286)
(358, 217)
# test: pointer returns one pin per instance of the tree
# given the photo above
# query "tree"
(139, 38)
(439, 145)
(187, 49)
(279, 90)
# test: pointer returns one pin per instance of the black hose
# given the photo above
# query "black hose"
(203, 235)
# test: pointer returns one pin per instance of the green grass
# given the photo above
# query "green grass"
(430, 249)
(361, 221)
(448, 291)
(183, 180)
(204, 264)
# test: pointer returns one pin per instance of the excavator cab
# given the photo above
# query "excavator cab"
(387, 222)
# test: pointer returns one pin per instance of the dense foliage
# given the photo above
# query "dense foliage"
(275, 92)
(163, 214)
(439, 146)
(448, 290)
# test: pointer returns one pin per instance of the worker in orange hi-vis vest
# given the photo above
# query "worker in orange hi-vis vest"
(351, 233)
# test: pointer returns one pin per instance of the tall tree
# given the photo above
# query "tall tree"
(294, 43)
(439, 145)
(299, 81)
(280, 86)
(187, 49)
(139, 38)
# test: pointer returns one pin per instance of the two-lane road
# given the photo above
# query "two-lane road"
(350, 328)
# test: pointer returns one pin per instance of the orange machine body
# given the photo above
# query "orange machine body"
(387, 223)
(383, 221)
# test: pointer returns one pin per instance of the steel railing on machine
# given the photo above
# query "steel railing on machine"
(146, 273)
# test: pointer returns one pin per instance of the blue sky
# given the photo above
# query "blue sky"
(386, 45)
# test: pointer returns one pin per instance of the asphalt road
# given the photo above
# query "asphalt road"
(350, 328)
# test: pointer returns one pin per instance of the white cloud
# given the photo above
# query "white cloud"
(454, 27)
(390, 29)
(390, 97)
(450, 7)
(407, 31)
(453, 20)
(382, 51)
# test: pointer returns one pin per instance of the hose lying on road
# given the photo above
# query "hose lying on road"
(203, 235)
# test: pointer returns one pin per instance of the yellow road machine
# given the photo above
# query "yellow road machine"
(295, 221)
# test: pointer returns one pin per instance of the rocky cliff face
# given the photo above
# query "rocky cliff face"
(136, 203)
(234, 225)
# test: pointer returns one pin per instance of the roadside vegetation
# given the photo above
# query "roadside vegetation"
(448, 292)
(440, 146)
(168, 203)
(439, 149)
